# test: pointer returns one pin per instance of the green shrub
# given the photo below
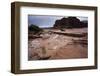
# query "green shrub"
(34, 28)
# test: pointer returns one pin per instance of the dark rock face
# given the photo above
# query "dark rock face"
(70, 22)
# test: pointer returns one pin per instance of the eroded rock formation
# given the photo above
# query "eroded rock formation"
(70, 22)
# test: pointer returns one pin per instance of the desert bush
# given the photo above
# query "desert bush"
(34, 28)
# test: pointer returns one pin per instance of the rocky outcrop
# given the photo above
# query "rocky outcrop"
(70, 22)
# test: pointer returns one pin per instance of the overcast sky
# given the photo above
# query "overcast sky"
(46, 21)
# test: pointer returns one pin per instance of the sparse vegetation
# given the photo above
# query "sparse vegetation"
(35, 29)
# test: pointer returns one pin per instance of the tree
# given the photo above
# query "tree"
(34, 28)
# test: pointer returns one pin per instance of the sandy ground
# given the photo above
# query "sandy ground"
(55, 46)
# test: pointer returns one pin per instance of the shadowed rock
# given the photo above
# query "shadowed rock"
(70, 22)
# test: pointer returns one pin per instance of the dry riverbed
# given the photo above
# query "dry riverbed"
(57, 44)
